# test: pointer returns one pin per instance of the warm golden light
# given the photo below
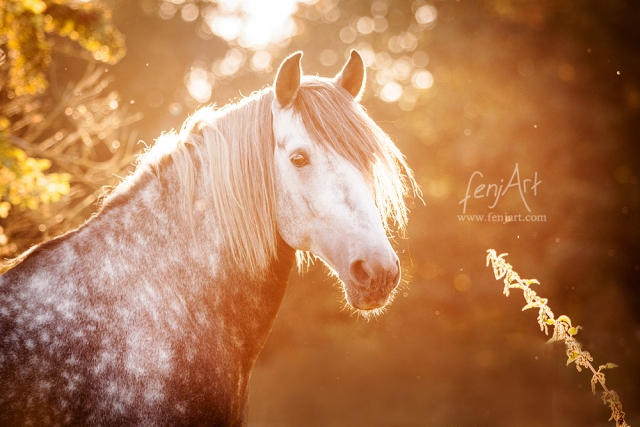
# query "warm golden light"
(254, 24)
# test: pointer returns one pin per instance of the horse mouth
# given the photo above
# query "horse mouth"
(364, 300)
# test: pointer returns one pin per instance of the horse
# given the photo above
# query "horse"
(153, 312)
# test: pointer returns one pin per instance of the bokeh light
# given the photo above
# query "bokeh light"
(391, 91)
(200, 83)
(426, 15)
(422, 79)
(328, 57)
(256, 31)
(261, 60)
(253, 24)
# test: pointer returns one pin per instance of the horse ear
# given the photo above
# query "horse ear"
(288, 79)
(353, 75)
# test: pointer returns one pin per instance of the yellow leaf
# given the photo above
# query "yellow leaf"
(67, 28)
(35, 6)
(63, 188)
(32, 204)
(4, 209)
(530, 305)
(564, 318)
(574, 330)
(4, 123)
(573, 356)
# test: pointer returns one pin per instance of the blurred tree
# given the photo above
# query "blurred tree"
(72, 132)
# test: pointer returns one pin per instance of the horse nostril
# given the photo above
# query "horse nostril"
(360, 273)
(364, 275)
(394, 275)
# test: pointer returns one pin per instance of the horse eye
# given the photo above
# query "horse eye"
(298, 160)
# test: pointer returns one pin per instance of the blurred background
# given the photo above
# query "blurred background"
(539, 97)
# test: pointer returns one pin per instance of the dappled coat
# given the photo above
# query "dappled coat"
(154, 311)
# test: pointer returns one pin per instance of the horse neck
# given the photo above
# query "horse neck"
(162, 248)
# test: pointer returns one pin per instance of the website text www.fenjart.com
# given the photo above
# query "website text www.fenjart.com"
(502, 218)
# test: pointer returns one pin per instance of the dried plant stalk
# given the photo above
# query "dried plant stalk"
(562, 331)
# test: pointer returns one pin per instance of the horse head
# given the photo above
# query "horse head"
(328, 197)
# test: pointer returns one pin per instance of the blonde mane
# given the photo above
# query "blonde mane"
(236, 145)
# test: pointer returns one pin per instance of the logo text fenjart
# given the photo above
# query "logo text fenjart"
(496, 191)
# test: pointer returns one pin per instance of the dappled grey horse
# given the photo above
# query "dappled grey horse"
(155, 310)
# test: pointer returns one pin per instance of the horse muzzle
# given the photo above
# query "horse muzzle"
(371, 283)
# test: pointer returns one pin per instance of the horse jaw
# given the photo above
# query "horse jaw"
(326, 207)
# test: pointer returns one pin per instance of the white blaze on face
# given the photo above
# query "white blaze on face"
(325, 206)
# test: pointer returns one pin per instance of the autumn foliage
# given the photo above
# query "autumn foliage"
(39, 155)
